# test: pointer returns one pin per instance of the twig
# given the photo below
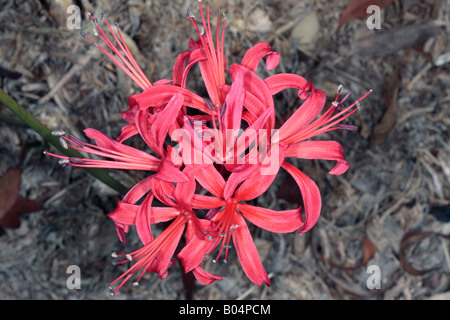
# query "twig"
(73, 71)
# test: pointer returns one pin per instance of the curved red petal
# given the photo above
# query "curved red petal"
(179, 67)
(247, 253)
(163, 191)
(130, 114)
(256, 87)
(272, 220)
(272, 61)
(127, 132)
(254, 55)
(143, 220)
(312, 201)
(163, 214)
(124, 214)
(168, 172)
(164, 120)
(261, 179)
(194, 252)
(304, 115)
(282, 81)
(143, 124)
(326, 150)
(236, 178)
(211, 180)
(204, 277)
(159, 96)
(206, 202)
(164, 260)
(234, 104)
(139, 190)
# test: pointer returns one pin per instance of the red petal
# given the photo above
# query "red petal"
(234, 104)
(143, 220)
(179, 66)
(204, 277)
(310, 194)
(254, 55)
(148, 215)
(127, 132)
(162, 214)
(124, 214)
(130, 114)
(271, 220)
(260, 179)
(165, 119)
(304, 115)
(211, 180)
(166, 253)
(326, 150)
(184, 191)
(236, 178)
(163, 191)
(194, 252)
(143, 124)
(247, 253)
(252, 83)
(254, 186)
(168, 172)
(196, 56)
(120, 233)
(159, 96)
(162, 81)
(123, 217)
(139, 190)
(272, 61)
(282, 81)
(206, 202)
(255, 86)
(252, 132)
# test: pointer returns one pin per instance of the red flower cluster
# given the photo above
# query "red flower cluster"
(213, 152)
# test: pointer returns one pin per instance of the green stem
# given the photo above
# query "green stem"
(12, 121)
(45, 133)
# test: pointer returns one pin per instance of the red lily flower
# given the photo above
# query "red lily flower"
(153, 129)
(156, 254)
(232, 164)
(227, 212)
(304, 124)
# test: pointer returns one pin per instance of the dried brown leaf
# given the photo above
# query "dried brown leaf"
(368, 251)
(409, 241)
(9, 189)
(11, 203)
(382, 44)
(358, 8)
(387, 122)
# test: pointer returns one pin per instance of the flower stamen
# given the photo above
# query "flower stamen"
(129, 65)
(120, 159)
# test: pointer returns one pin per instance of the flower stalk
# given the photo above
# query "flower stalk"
(46, 133)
